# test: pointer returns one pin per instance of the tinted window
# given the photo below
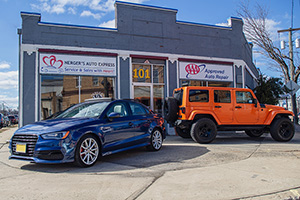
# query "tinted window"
(198, 96)
(118, 108)
(222, 96)
(244, 97)
(137, 109)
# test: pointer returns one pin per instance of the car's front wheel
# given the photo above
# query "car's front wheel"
(282, 130)
(155, 141)
(87, 151)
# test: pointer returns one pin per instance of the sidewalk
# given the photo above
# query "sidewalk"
(6, 133)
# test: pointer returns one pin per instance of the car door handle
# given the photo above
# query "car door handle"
(218, 106)
(130, 124)
(238, 107)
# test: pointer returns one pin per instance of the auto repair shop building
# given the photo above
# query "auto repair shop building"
(145, 57)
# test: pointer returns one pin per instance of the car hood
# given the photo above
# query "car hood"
(274, 107)
(53, 125)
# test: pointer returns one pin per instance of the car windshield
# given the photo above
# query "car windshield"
(87, 110)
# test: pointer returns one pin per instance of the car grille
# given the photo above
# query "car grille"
(29, 140)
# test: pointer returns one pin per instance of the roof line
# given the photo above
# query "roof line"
(30, 13)
(147, 6)
(206, 25)
(77, 26)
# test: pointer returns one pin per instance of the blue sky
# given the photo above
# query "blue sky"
(101, 13)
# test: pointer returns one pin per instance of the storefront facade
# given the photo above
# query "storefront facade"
(145, 57)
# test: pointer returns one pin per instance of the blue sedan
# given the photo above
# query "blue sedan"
(87, 131)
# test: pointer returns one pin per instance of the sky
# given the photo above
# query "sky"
(100, 13)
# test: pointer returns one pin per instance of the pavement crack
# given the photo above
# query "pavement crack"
(137, 194)
(267, 194)
(258, 146)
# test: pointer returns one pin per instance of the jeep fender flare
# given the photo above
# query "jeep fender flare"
(204, 114)
(272, 115)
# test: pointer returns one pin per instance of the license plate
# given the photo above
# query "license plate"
(21, 148)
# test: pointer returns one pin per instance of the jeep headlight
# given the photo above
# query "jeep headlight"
(55, 135)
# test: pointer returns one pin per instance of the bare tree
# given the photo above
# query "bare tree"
(256, 31)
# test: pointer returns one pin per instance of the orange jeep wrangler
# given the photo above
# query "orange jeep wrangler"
(199, 112)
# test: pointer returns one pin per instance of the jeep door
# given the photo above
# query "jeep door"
(245, 110)
(223, 106)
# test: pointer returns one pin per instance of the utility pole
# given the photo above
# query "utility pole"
(292, 68)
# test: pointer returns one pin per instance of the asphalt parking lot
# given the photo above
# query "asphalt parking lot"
(234, 166)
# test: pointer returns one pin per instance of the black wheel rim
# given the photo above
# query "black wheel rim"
(205, 131)
(285, 130)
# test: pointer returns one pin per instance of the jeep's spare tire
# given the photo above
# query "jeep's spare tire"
(282, 130)
(170, 109)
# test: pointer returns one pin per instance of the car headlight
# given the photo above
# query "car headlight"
(56, 135)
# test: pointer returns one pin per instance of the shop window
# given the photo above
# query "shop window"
(95, 81)
(141, 73)
(218, 84)
(158, 74)
(61, 92)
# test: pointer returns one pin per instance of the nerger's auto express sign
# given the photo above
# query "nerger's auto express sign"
(77, 64)
(210, 72)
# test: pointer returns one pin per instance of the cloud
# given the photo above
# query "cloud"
(272, 27)
(11, 102)
(108, 24)
(61, 6)
(9, 80)
(87, 13)
(222, 24)
(4, 65)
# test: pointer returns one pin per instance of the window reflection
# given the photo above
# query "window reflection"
(60, 92)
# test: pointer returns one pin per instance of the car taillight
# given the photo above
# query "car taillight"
(182, 110)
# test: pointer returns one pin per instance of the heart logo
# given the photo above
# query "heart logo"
(51, 61)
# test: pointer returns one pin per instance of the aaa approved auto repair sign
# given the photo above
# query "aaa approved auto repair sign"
(77, 64)
(211, 72)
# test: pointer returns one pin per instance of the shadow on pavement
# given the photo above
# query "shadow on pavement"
(132, 159)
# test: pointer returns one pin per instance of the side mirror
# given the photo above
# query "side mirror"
(255, 102)
(113, 116)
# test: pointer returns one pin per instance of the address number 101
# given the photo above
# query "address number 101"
(141, 73)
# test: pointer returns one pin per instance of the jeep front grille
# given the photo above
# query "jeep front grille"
(29, 140)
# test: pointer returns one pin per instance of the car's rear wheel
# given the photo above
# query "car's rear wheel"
(87, 151)
(156, 140)
(282, 130)
(255, 133)
(184, 133)
(204, 131)
(170, 109)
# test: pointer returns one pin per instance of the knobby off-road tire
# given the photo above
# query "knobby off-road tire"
(255, 133)
(87, 151)
(204, 131)
(184, 133)
(282, 130)
(171, 109)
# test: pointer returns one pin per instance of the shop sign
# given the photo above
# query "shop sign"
(209, 72)
(77, 65)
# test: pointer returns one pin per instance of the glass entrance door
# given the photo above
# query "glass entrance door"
(143, 95)
(150, 95)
